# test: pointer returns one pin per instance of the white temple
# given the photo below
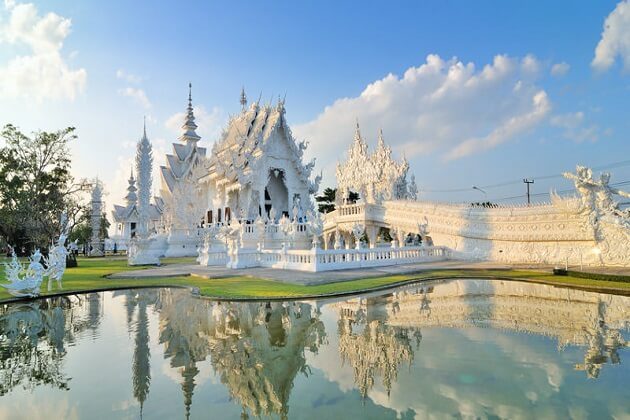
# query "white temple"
(138, 215)
(248, 202)
(184, 203)
(376, 176)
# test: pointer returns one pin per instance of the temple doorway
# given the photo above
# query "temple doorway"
(276, 193)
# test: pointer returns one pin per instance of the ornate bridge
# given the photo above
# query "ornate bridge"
(549, 233)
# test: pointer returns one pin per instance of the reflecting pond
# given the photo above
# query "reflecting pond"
(463, 348)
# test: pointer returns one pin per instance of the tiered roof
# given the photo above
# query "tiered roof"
(244, 141)
(185, 154)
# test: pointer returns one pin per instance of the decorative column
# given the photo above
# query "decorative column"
(372, 232)
(144, 167)
(95, 220)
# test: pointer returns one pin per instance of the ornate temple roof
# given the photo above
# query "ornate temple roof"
(376, 176)
(245, 138)
(185, 154)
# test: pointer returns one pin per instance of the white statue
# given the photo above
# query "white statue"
(27, 283)
(314, 226)
(605, 194)
(585, 185)
(56, 261)
(358, 230)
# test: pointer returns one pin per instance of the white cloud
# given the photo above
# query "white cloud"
(508, 129)
(43, 73)
(574, 127)
(531, 64)
(137, 94)
(128, 77)
(443, 107)
(560, 69)
(210, 123)
(615, 40)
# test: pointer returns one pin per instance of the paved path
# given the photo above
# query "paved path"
(301, 277)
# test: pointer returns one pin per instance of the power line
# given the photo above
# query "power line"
(540, 178)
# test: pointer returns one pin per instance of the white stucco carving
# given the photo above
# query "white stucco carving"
(587, 229)
(376, 176)
(96, 214)
(26, 282)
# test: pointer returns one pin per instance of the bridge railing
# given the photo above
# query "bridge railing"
(316, 260)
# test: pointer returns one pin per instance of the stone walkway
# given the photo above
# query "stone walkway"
(300, 277)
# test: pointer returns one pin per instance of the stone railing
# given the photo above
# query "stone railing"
(315, 260)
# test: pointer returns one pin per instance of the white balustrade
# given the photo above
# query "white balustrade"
(339, 259)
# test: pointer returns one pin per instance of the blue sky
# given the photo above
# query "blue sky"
(117, 61)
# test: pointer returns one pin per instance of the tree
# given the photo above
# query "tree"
(83, 229)
(35, 186)
(327, 199)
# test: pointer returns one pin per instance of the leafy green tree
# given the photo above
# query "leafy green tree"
(35, 185)
(327, 199)
(83, 229)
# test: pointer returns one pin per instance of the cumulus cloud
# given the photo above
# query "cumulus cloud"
(445, 107)
(43, 73)
(560, 69)
(615, 40)
(210, 123)
(137, 95)
(128, 77)
(574, 127)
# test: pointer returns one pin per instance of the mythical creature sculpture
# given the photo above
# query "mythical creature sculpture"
(596, 196)
(605, 194)
(585, 185)
(358, 231)
(27, 282)
(314, 226)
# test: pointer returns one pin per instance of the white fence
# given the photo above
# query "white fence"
(315, 260)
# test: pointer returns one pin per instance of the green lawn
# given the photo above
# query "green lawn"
(90, 275)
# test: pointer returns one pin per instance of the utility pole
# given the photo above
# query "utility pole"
(527, 182)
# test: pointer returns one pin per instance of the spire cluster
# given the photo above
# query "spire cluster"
(131, 196)
(189, 136)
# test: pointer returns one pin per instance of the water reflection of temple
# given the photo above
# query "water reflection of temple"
(372, 347)
(138, 301)
(572, 317)
(257, 349)
(34, 337)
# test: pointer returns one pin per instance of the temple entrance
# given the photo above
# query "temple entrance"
(276, 193)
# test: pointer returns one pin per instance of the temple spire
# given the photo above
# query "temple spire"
(144, 127)
(131, 196)
(381, 141)
(243, 99)
(144, 168)
(189, 136)
(357, 133)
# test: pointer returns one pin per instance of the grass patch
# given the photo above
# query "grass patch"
(90, 275)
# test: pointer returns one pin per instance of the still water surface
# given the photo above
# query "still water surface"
(463, 348)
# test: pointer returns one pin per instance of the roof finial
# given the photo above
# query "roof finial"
(144, 129)
(189, 93)
(243, 98)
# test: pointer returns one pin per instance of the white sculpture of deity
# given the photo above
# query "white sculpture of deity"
(358, 230)
(596, 196)
(605, 194)
(585, 185)
(314, 226)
